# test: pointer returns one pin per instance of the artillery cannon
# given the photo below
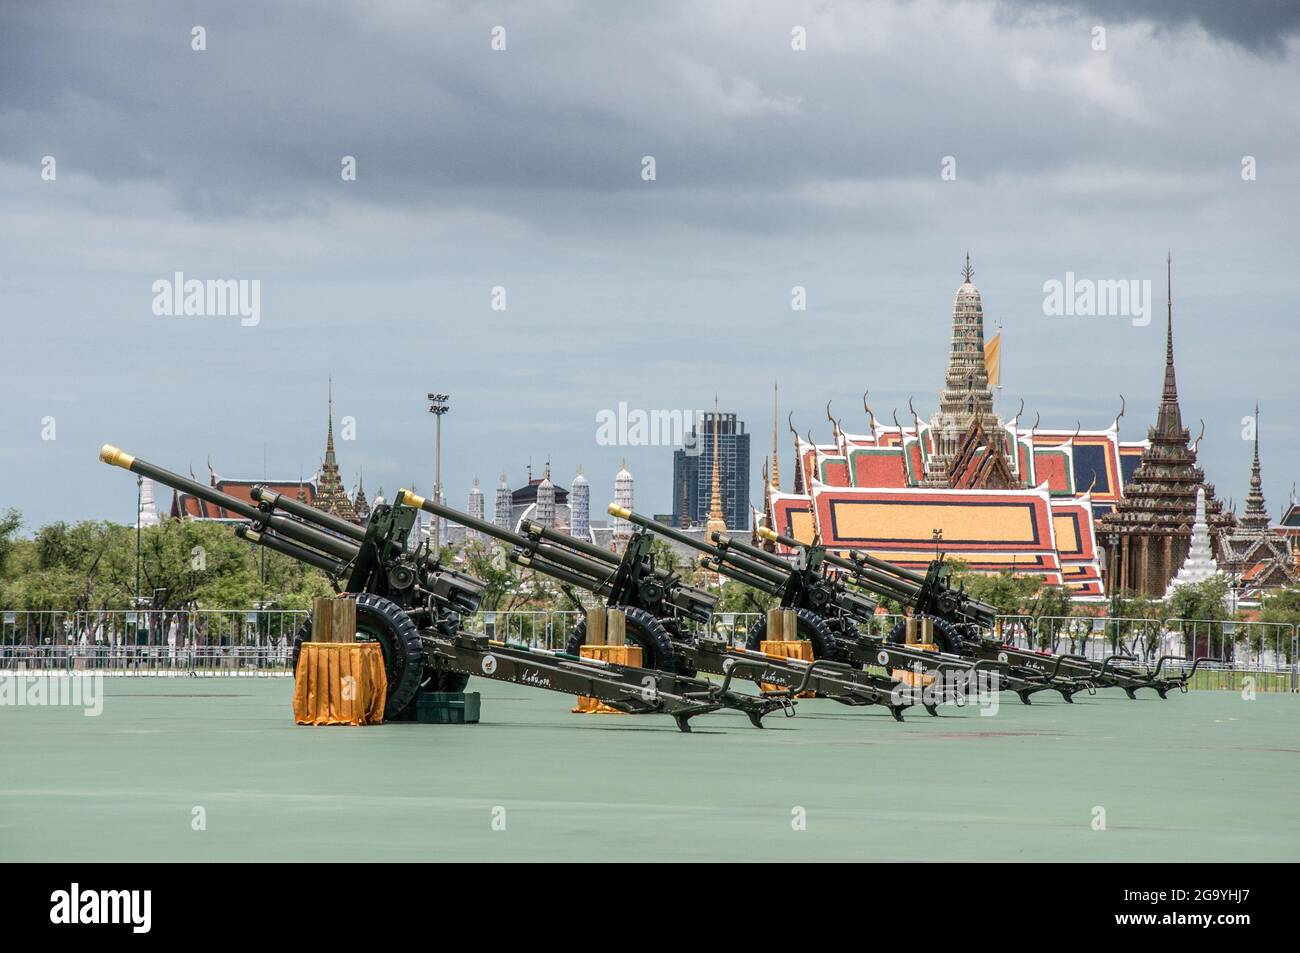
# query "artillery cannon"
(961, 623)
(413, 606)
(829, 613)
(659, 607)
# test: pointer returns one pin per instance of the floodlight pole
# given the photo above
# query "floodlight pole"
(438, 405)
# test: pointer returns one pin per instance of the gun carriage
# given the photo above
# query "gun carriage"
(660, 609)
(962, 625)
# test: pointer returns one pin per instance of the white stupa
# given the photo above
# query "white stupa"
(624, 496)
(544, 514)
(148, 510)
(1200, 564)
(580, 507)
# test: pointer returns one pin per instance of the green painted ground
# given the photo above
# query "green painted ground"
(1203, 776)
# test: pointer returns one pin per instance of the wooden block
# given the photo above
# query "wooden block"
(616, 627)
(790, 624)
(322, 619)
(345, 619)
(775, 625)
(596, 626)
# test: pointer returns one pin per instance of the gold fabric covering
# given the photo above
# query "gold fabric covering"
(340, 683)
(615, 654)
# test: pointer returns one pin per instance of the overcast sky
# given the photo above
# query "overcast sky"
(522, 169)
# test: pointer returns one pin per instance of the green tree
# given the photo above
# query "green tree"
(10, 523)
(1200, 609)
(737, 597)
(1282, 605)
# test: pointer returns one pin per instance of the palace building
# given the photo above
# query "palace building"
(996, 495)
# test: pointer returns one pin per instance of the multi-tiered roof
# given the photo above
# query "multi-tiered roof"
(1150, 530)
(330, 494)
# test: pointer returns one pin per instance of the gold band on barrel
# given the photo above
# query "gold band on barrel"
(115, 456)
(407, 498)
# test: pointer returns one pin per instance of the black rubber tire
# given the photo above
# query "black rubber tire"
(945, 636)
(811, 627)
(399, 640)
(643, 629)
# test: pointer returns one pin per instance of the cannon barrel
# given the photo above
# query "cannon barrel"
(116, 457)
(569, 542)
(881, 582)
(307, 535)
(623, 513)
(560, 557)
(286, 548)
(297, 529)
(521, 557)
(598, 572)
(409, 498)
(772, 579)
(561, 549)
(715, 564)
(726, 541)
(904, 582)
(307, 512)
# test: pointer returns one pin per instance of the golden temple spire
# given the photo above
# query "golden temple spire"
(717, 522)
(776, 450)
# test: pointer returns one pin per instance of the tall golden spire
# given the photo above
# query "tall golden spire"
(717, 522)
(776, 450)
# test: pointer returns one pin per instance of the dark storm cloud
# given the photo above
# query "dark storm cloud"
(521, 168)
(257, 124)
(1262, 26)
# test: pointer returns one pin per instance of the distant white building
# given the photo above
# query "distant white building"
(624, 496)
(580, 507)
(148, 509)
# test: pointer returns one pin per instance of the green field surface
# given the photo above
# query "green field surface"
(1204, 776)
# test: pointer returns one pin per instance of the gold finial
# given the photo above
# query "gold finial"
(717, 523)
(776, 450)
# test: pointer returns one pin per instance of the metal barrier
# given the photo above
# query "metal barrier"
(552, 629)
(253, 641)
(88, 629)
(1268, 650)
(149, 660)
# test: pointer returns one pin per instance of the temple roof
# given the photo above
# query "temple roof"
(1160, 496)
(185, 505)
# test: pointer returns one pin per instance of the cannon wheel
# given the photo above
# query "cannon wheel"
(945, 636)
(383, 621)
(643, 629)
(811, 626)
